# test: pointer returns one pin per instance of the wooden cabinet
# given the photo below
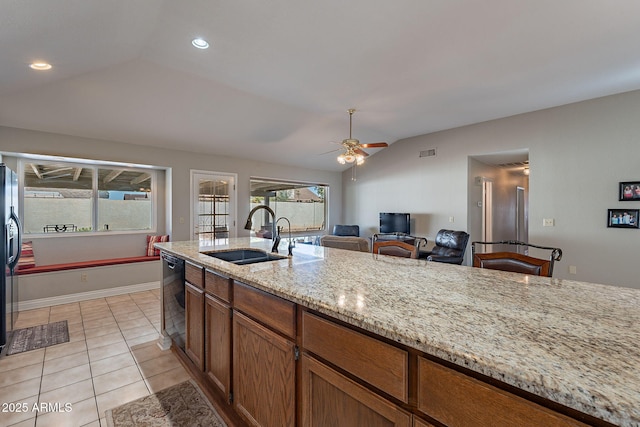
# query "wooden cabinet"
(279, 314)
(217, 303)
(331, 399)
(194, 312)
(456, 399)
(218, 344)
(263, 374)
(382, 365)
(417, 422)
(243, 341)
(218, 285)
(194, 274)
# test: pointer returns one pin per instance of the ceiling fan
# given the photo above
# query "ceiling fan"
(354, 152)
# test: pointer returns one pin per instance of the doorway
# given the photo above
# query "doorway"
(213, 205)
(522, 232)
(487, 210)
(498, 190)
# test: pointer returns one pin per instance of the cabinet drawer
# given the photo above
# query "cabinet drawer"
(380, 364)
(279, 314)
(456, 399)
(194, 274)
(218, 285)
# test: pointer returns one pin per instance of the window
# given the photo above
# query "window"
(303, 204)
(78, 197)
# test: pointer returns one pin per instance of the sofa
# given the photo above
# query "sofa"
(352, 243)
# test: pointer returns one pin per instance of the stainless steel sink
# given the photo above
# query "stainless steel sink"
(244, 256)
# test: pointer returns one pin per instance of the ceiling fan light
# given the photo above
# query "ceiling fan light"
(349, 158)
(359, 159)
(341, 159)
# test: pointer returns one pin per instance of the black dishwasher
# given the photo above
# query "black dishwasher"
(173, 321)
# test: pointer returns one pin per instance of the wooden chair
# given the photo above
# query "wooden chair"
(395, 248)
(516, 262)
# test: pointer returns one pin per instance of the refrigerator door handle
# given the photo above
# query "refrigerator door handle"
(15, 218)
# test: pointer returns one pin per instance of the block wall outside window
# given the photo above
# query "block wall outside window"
(61, 197)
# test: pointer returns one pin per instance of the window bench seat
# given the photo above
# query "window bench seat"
(84, 264)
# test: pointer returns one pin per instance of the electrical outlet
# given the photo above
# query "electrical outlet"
(451, 219)
(572, 269)
(83, 277)
(548, 222)
(181, 220)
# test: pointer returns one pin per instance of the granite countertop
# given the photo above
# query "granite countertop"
(571, 342)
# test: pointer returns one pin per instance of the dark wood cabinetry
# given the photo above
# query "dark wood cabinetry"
(275, 312)
(243, 341)
(263, 374)
(456, 399)
(382, 365)
(194, 312)
(331, 399)
(417, 422)
(218, 344)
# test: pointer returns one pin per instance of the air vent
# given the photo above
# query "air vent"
(428, 153)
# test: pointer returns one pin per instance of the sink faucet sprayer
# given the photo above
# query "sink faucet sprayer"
(291, 246)
(274, 234)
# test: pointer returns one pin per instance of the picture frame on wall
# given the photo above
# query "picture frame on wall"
(629, 191)
(623, 218)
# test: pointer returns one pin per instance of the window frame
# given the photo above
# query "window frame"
(299, 233)
(94, 165)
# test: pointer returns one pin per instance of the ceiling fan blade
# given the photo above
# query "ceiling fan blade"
(375, 145)
(361, 152)
(332, 151)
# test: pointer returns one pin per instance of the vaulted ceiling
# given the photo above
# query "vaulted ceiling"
(279, 76)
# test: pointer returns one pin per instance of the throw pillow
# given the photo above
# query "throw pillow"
(27, 259)
(151, 251)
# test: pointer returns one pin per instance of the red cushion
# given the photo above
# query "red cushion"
(151, 251)
(27, 259)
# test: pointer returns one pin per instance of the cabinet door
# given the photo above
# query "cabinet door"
(328, 398)
(263, 374)
(417, 422)
(218, 344)
(194, 312)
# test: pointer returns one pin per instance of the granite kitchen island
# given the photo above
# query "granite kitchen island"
(570, 347)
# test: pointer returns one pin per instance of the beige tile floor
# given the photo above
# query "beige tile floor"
(111, 358)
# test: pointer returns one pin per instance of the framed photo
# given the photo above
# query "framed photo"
(629, 191)
(623, 218)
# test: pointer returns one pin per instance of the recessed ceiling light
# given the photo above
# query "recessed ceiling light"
(200, 43)
(40, 66)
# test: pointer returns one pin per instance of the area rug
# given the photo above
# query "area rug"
(181, 405)
(40, 336)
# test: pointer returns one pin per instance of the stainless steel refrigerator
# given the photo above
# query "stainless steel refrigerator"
(10, 249)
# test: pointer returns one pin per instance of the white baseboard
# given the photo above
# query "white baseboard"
(83, 296)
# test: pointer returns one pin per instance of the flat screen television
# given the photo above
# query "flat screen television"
(394, 222)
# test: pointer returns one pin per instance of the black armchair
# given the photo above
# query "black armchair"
(450, 247)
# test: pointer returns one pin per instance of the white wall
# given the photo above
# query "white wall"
(578, 153)
(178, 163)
